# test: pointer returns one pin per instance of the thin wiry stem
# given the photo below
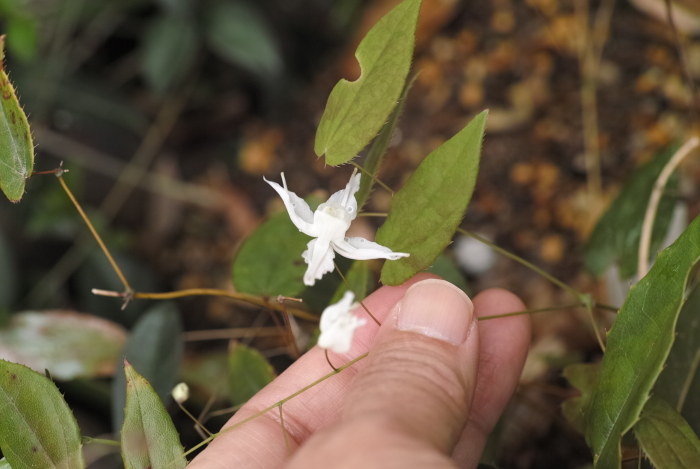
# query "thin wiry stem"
(374, 177)
(252, 299)
(530, 311)
(96, 235)
(194, 419)
(329, 361)
(650, 215)
(360, 301)
(278, 403)
(284, 432)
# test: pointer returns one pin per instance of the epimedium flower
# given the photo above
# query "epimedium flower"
(338, 324)
(328, 225)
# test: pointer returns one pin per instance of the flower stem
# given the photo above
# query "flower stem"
(530, 311)
(374, 178)
(360, 301)
(87, 440)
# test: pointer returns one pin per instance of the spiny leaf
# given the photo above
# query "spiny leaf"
(16, 147)
(638, 345)
(357, 110)
(37, 429)
(679, 383)
(426, 212)
(69, 344)
(148, 436)
(617, 233)
(248, 373)
(583, 377)
(155, 347)
(378, 149)
(359, 277)
(666, 438)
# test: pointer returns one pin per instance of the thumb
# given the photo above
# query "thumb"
(409, 404)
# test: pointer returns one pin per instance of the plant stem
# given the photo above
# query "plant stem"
(596, 331)
(374, 178)
(650, 215)
(278, 403)
(89, 440)
(96, 235)
(284, 432)
(529, 311)
(194, 419)
(360, 301)
(252, 299)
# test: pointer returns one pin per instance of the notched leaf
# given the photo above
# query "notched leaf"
(16, 147)
(356, 111)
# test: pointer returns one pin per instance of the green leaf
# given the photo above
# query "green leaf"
(446, 268)
(638, 344)
(148, 436)
(667, 439)
(426, 212)
(37, 429)
(359, 277)
(679, 382)
(16, 147)
(155, 347)
(378, 149)
(357, 110)
(583, 377)
(248, 373)
(170, 47)
(206, 373)
(617, 233)
(240, 35)
(269, 262)
(68, 344)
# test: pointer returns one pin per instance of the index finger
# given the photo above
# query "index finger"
(260, 442)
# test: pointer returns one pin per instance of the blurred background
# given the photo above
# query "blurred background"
(169, 112)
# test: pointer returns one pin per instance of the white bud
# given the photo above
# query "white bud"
(181, 393)
(474, 256)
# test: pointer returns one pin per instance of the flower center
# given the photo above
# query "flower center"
(333, 219)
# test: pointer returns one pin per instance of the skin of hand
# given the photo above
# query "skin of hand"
(431, 390)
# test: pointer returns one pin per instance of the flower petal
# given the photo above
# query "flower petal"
(349, 203)
(334, 311)
(362, 249)
(319, 256)
(299, 211)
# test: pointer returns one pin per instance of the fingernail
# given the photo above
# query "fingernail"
(438, 309)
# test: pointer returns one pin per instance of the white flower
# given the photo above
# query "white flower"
(338, 324)
(328, 226)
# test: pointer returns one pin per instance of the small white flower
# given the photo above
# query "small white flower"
(328, 226)
(181, 393)
(338, 324)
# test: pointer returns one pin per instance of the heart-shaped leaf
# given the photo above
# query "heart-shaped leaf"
(37, 429)
(638, 345)
(356, 111)
(148, 436)
(426, 212)
(16, 147)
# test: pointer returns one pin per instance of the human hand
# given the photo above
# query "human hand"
(429, 393)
